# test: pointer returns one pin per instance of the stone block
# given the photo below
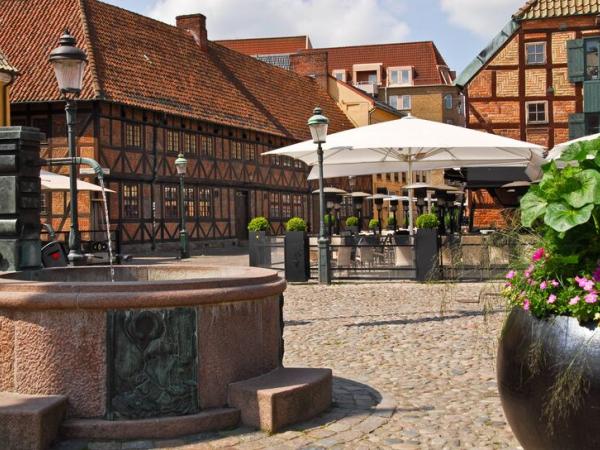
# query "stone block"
(29, 422)
(282, 397)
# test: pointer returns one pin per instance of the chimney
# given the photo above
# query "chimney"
(311, 63)
(195, 24)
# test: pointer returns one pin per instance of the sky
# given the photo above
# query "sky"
(459, 28)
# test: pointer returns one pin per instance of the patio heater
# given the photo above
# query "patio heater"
(421, 194)
(330, 216)
(318, 124)
(379, 205)
(357, 202)
(69, 65)
(394, 209)
(181, 166)
(337, 206)
(441, 210)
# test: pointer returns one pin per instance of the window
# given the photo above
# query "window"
(133, 135)
(297, 207)
(404, 177)
(286, 206)
(536, 52)
(251, 152)
(189, 143)
(45, 204)
(276, 160)
(236, 150)
(170, 202)
(287, 161)
(131, 201)
(448, 101)
(298, 164)
(339, 74)
(207, 146)
(537, 112)
(592, 123)
(190, 206)
(592, 50)
(172, 141)
(273, 204)
(388, 177)
(204, 202)
(400, 76)
(400, 102)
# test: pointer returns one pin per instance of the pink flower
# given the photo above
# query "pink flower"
(580, 281)
(510, 275)
(539, 254)
(596, 275)
(526, 305)
(551, 299)
(543, 285)
(574, 300)
(592, 297)
(531, 282)
(588, 286)
(554, 283)
(508, 284)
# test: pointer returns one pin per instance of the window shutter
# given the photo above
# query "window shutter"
(576, 126)
(591, 96)
(576, 60)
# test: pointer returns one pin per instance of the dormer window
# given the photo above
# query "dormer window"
(339, 74)
(400, 76)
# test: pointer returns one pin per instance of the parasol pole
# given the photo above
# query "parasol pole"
(411, 193)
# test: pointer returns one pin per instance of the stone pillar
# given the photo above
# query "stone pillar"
(20, 191)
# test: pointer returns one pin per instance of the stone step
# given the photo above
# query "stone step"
(30, 422)
(154, 428)
(282, 397)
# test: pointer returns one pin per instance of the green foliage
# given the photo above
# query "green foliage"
(428, 221)
(373, 224)
(391, 220)
(258, 224)
(295, 224)
(352, 221)
(329, 219)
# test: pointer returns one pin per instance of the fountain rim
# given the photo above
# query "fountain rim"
(237, 284)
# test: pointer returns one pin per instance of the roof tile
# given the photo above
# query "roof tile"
(267, 46)
(542, 9)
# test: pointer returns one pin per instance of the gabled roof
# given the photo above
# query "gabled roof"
(268, 46)
(542, 9)
(424, 57)
(138, 61)
(6, 67)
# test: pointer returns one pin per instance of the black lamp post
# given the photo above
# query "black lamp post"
(69, 64)
(181, 166)
(318, 124)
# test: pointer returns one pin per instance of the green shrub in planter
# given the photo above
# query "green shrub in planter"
(352, 221)
(391, 221)
(428, 221)
(373, 224)
(329, 219)
(295, 224)
(258, 224)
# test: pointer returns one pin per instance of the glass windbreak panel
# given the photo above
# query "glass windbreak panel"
(592, 123)
(592, 49)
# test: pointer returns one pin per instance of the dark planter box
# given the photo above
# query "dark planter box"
(426, 248)
(353, 229)
(297, 265)
(258, 249)
(533, 357)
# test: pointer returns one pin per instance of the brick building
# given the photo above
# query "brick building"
(150, 91)
(537, 80)
(8, 73)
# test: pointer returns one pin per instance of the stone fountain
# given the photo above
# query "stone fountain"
(163, 351)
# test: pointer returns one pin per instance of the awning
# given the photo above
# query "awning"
(54, 182)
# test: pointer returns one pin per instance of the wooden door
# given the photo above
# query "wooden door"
(241, 215)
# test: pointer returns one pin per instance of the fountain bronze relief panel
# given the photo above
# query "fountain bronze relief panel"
(152, 363)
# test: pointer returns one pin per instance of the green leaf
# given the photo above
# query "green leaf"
(574, 152)
(562, 217)
(587, 190)
(532, 207)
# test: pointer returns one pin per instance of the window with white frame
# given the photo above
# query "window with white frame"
(400, 102)
(339, 74)
(536, 52)
(537, 112)
(400, 76)
(448, 101)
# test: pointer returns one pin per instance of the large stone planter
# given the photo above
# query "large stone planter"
(427, 259)
(258, 249)
(534, 358)
(297, 264)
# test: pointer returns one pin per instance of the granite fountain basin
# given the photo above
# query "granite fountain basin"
(161, 342)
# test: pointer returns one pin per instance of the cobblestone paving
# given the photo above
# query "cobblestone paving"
(413, 366)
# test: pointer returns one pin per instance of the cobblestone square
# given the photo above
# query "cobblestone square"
(413, 367)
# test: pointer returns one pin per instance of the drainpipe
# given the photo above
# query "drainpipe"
(7, 100)
(152, 189)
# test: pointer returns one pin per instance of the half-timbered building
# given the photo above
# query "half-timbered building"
(537, 80)
(151, 91)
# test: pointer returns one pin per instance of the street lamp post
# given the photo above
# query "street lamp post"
(181, 166)
(318, 124)
(69, 64)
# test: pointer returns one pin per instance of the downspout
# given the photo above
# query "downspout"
(7, 100)
(152, 189)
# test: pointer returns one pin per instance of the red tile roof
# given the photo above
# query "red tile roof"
(268, 46)
(541, 9)
(138, 61)
(424, 57)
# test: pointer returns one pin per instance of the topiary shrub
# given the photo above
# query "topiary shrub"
(258, 224)
(295, 224)
(428, 221)
(373, 224)
(352, 221)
